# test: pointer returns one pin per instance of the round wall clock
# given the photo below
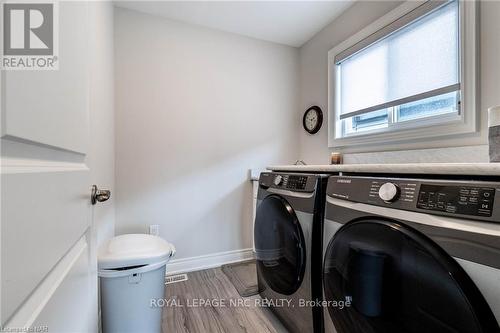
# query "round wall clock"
(313, 119)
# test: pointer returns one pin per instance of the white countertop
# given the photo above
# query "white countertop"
(466, 169)
(254, 174)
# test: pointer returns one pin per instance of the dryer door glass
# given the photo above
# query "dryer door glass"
(279, 245)
(398, 280)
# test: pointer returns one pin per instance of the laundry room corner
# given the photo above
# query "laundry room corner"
(197, 108)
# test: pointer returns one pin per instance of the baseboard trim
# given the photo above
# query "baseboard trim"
(212, 260)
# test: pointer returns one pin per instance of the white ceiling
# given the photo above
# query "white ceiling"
(285, 22)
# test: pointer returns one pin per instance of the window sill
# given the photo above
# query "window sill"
(453, 134)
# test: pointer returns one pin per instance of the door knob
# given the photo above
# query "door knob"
(99, 195)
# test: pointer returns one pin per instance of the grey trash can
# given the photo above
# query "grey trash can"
(132, 275)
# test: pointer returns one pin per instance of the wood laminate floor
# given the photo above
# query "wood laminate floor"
(233, 313)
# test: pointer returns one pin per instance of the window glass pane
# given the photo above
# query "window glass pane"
(420, 57)
(367, 122)
(442, 104)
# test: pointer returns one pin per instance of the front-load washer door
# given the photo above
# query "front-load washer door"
(399, 280)
(279, 245)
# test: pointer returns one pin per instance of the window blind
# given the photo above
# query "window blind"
(413, 58)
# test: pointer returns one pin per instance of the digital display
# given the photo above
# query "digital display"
(296, 182)
(465, 200)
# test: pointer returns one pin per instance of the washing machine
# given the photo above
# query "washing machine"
(411, 255)
(288, 246)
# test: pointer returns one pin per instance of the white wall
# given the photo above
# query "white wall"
(195, 109)
(314, 77)
(102, 134)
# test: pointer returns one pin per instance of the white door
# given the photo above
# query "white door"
(48, 275)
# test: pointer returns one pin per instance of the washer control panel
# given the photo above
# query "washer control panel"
(473, 199)
(296, 182)
(465, 200)
(291, 182)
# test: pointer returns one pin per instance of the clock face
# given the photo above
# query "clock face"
(313, 118)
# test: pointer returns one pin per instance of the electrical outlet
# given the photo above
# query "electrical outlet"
(154, 229)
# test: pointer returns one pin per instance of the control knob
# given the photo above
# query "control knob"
(389, 192)
(278, 180)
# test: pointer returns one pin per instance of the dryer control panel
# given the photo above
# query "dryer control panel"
(472, 199)
(287, 181)
(465, 200)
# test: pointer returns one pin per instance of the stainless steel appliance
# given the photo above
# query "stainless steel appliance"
(412, 255)
(287, 236)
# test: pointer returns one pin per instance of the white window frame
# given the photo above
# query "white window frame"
(423, 130)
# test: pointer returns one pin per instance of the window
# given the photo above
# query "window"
(404, 80)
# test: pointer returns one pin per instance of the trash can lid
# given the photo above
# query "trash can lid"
(133, 250)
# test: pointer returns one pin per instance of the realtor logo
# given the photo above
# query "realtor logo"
(29, 36)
